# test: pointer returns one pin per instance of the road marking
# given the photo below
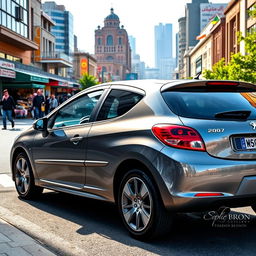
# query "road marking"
(6, 181)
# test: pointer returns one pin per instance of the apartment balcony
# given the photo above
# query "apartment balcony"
(59, 59)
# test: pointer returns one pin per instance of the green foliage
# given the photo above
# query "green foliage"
(87, 81)
(241, 67)
(252, 13)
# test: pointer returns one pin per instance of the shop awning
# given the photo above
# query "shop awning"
(29, 77)
(34, 86)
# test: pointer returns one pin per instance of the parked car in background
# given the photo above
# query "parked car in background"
(152, 147)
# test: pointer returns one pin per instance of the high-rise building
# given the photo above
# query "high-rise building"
(63, 30)
(163, 50)
(112, 49)
(181, 44)
(193, 26)
(163, 42)
(132, 41)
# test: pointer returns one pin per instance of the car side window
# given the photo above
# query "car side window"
(117, 103)
(77, 111)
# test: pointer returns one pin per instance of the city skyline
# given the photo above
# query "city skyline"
(138, 18)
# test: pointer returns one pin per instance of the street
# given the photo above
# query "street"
(70, 225)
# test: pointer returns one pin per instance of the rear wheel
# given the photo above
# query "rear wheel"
(141, 207)
(24, 178)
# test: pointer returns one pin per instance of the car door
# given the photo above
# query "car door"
(105, 139)
(59, 157)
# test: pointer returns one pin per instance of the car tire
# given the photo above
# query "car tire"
(24, 178)
(141, 207)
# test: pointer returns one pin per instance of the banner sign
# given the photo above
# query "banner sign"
(7, 73)
(8, 65)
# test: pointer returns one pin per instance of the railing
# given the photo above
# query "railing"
(29, 68)
(56, 55)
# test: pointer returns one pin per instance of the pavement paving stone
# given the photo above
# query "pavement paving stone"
(14, 242)
(4, 239)
(37, 250)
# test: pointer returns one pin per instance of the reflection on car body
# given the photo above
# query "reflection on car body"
(152, 147)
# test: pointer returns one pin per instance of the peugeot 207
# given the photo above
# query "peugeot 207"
(151, 147)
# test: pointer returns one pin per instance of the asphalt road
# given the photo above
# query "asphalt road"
(71, 225)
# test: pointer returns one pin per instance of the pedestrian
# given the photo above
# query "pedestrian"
(8, 108)
(53, 103)
(47, 104)
(38, 104)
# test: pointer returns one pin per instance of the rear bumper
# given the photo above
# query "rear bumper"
(186, 173)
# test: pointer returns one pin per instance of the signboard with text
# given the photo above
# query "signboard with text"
(8, 65)
(7, 73)
(209, 11)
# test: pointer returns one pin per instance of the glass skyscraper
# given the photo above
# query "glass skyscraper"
(63, 30)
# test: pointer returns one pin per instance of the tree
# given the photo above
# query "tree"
(241, 67)
(87, 81)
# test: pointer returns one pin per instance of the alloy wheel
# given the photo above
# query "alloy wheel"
(22, 177)
(136, 204)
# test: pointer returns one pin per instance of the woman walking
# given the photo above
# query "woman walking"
(8, 106)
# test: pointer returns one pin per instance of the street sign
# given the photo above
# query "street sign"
(8, 65)
(7, 73)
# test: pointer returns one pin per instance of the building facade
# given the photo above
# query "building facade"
(63, 30)
(84, 63)
(193, 23)
(164, 50)
(237, 19)
(16, 42)
(181, 44)
(112, 49)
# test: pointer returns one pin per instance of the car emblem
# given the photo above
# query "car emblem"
(253, 124)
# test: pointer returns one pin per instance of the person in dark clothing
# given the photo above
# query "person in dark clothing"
(37, 104)
(8, 106)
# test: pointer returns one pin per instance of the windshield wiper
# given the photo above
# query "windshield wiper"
(238, 115)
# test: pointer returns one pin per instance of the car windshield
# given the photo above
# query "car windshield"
(214, 105)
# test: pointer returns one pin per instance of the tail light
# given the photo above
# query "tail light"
(179, 136)
(208, 194)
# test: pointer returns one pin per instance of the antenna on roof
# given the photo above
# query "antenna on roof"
(197, 77)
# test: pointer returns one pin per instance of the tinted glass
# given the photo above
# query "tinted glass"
(118, 103)
(207, 105)
(76, 112)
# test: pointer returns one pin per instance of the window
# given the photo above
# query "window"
(99, 41)
(119, 40)
(109, 40)
(76, 112)
(118, 103)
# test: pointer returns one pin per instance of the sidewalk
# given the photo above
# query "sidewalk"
(13, 242)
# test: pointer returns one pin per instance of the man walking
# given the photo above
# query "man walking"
(37, 104)
(53, 102)
(8, 106)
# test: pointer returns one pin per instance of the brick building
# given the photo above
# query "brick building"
(112, 49)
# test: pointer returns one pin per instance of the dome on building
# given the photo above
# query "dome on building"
(112, 16)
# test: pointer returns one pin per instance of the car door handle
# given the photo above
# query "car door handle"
(76, 139)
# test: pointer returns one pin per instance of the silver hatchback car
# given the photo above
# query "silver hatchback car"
(152, 147)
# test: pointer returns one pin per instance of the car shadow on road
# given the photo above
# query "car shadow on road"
(191, 234)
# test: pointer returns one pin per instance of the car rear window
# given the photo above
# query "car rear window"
(211, 105)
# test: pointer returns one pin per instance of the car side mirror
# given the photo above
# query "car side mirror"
(41, 125)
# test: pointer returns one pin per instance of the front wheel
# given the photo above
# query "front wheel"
(24, 178)
(141, 207)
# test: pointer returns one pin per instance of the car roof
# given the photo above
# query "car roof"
(151, 85)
